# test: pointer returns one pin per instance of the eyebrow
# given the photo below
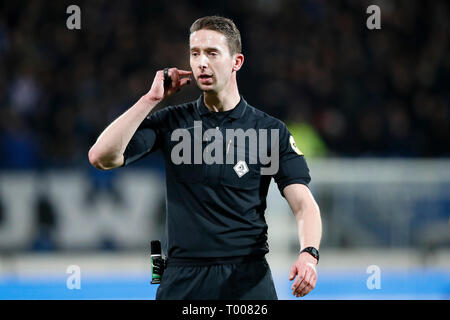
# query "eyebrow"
(206, 49)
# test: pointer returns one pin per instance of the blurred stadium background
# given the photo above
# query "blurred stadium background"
(369, 108)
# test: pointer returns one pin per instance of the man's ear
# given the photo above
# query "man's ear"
(238, 61)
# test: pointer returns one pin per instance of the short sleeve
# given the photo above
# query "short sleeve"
(146, 139)
(292, 164)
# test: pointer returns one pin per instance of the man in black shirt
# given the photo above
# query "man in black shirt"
(220, 155)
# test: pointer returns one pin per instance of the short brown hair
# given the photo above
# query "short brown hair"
(223, 25)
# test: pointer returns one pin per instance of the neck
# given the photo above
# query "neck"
(224, 100)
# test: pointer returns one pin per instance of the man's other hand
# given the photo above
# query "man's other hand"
(305, 270)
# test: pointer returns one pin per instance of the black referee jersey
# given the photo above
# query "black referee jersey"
(216, 209)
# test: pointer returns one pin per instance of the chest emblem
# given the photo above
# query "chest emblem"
(240, 168)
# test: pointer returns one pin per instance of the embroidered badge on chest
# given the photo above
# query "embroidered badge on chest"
(240, 168)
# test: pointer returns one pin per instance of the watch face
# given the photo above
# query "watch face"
(312, 251)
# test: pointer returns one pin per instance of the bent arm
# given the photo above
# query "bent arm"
(108, 150)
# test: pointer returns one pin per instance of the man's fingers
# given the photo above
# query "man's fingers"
(310, 282)
(179, 78)
(295, 291)
(162, 88)
(301, 286)
(184, 72)
(174, 72)
(184, 81)
(298, 280)
(293, 272)
(173, 75)
(305, 287)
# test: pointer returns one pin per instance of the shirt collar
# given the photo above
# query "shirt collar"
(236, 113)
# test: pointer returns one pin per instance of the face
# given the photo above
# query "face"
(211, 62)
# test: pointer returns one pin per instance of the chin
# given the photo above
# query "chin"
(206, 88)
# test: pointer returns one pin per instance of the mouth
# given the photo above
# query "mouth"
(205, 78)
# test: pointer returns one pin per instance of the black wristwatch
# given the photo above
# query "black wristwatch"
(312, 251)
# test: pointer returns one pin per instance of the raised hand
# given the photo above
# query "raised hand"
(179, 78)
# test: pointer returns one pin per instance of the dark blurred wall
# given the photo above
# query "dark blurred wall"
(380, 93)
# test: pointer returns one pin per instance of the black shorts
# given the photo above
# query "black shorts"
(236, 278)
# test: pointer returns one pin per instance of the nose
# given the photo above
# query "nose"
(203, 61)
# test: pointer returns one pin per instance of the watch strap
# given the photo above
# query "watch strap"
(312, 251)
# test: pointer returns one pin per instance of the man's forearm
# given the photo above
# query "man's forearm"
(107, 152)
(309, 226)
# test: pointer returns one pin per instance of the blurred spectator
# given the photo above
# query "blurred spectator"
(102, 182)
(18, 146)
(2, 212)
(365, 93)
(45, 224)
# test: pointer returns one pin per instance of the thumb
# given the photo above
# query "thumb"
(293, 272)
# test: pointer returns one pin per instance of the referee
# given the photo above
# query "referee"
(216, 230)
